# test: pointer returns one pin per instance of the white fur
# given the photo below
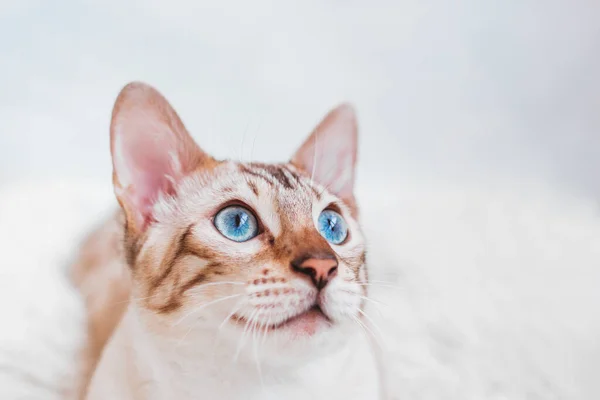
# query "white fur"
(209, 369)
(195, 351)
(495, 297)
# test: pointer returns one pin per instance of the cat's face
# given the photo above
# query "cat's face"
(239, 250)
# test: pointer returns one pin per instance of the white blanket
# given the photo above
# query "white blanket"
(489, 294)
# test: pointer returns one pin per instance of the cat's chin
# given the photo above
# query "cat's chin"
(299, 340)
(308, 323)
(305, 324)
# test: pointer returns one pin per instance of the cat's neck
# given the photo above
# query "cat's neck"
(151, 368)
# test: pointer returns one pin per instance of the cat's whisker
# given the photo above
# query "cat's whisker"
(243, 140)
(372, 323)
(385, 282)
(239, 344)
(242, 342)
(206, 305)
(361, 325)
(244, 317)
(360, 296)
(266, 330)
(255, 330)
(267, 325)
(231, 149)
(368, 332)
(180, 342)
(376, 303)
(191, 327)
(315, 152)
(196, 287)
(379, 311)
(248, 330)
(235, 309)
(379, 285)
(254, 140)
(327, 186)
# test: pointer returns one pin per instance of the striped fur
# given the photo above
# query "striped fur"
(188, 281)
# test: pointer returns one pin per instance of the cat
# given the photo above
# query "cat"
(219, 279)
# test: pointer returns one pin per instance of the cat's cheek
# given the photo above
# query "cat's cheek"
(340, 304)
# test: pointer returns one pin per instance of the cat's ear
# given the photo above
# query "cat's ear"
(151, 151)
(329, 154)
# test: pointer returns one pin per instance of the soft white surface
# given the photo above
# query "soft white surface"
(42, 316)
(495, 291)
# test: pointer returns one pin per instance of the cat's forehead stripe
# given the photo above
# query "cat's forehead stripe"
(279, 175)
(276, 172)
(253, 187)
(247, 170)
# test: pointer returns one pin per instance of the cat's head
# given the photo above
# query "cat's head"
(239, 250)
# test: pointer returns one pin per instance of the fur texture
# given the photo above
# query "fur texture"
(208, 315)
(493, 297)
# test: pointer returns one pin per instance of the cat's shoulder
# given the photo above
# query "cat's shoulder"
(102, 278)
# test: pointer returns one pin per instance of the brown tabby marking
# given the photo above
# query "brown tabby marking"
(161, 247)
(253, 187)
(103, 280)
(276, 172)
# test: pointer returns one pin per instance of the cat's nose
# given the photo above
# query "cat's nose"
(320, 269)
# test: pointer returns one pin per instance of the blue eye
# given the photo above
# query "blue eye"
(332, 227)
(236, 223)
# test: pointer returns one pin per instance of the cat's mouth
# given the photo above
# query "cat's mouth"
(307, 322)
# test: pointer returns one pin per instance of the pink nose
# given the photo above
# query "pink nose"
(320, 270)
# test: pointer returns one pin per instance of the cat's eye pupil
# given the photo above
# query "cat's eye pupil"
(238, 220)
(236, 223)
(332, 223)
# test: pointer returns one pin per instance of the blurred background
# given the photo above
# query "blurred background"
(464, 90)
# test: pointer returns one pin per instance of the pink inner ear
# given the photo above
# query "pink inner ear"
(334, 168)
(341, 182)
(151, 186)
(147, 165)
(329, 154)
(151, 150)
